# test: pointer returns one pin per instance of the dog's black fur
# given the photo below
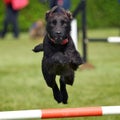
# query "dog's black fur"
(60, 56)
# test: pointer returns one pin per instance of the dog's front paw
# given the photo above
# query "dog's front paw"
(77, 61)
(38, 48)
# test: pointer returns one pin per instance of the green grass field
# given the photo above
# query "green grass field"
(22, 85)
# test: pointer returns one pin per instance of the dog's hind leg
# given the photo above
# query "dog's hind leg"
(56, 93)
(63, 90)
(50, 80)
(69, 78)
(52, 84)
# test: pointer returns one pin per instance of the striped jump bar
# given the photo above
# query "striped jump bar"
(60, 113)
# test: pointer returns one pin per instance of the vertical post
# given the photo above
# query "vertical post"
(84, 31)
(74, 32)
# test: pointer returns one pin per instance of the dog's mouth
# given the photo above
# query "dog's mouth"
(59, 40)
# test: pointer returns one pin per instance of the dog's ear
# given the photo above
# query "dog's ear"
(69, 14)
(47, 15)
(50, 12)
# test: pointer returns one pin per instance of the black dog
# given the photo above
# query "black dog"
(60, 56)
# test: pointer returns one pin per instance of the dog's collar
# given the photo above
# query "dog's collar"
(65, 41)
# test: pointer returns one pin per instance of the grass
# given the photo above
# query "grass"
(22, 85)
(103, 33)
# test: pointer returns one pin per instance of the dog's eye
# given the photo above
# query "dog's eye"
(63, 22)
(54, 22)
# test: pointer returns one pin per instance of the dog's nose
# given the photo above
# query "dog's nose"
(58, 32)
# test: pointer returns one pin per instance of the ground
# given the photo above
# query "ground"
(22, 85)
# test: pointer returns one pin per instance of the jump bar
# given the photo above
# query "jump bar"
(60, 113)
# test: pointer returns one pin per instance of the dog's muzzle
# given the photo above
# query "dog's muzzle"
(56, 39)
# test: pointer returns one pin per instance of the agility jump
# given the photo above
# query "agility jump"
(60, 113)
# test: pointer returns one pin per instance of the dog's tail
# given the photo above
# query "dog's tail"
(38, 48)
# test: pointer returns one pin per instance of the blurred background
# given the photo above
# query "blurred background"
(21, 82)
(100, 14)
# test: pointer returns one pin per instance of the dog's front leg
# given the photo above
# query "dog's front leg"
(38, 48)
(75, 58)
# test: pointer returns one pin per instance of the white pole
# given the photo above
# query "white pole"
(114, 39)
(74, 32)
(22, 114)
(110, 110)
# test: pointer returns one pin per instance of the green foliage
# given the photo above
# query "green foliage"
(32, 13)
(103, 13)
(100, 13)
(27, 16)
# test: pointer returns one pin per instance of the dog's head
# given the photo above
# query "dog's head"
(58, 24)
